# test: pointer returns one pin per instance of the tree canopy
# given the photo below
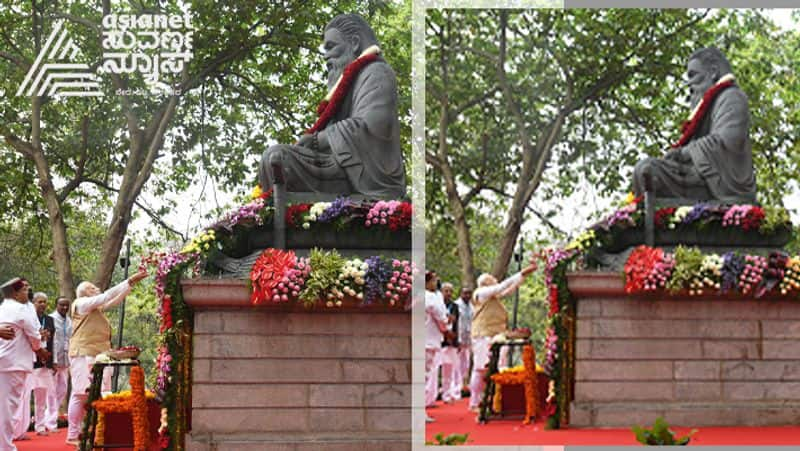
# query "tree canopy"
(523, 105)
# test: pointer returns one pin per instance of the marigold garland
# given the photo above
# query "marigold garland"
(525, 377)
(133, 402)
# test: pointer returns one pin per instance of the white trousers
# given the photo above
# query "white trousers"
(481, 350)
(464, 355)
(56, 397)
(11, 385)
(451, 379)
(23, 415)
(432, 362)
(80, 369)
(43, 384)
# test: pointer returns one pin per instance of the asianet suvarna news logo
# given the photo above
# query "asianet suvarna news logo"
(150, 44)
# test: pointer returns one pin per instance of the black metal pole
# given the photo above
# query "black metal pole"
(126, 264)
(518, 257)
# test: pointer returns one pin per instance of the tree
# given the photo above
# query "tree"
(254, 79)
(529, 102)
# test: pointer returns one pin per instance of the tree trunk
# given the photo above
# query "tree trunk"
(33, 151)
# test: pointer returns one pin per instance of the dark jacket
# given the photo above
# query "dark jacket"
(50, 325)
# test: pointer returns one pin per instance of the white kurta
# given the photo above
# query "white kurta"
(16, 363)
(81, 366)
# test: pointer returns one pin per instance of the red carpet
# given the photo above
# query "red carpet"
(456, 419)
(54, 442)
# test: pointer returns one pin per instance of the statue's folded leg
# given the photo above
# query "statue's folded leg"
(303, 170)
(670, 178)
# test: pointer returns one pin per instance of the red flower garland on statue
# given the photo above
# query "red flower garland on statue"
(639, 265)
(327, 109)
(269, 271)
(689, 127)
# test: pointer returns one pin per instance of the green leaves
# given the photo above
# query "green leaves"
(660, 434)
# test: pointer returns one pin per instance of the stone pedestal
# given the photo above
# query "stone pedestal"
(697, 361)
(286, 378)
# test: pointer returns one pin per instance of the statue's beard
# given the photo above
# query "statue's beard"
(335, 69)
(694, 98)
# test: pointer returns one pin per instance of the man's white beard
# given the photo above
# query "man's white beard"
(336, 70)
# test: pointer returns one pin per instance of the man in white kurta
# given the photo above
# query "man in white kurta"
(16, 355)
(41, 380)
(489, 318)
(464, 334)
(91, 336)
(451, 385)
(435, 325)
(63, 325)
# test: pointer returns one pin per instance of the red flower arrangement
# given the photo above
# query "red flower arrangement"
(166, 314)
(401, 218)
(662, 214)
(753, 219)
(553, 300)
(294, 214)
(639, 266)
(269, 271)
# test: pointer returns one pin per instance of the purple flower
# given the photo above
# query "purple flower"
(340, 207)
(377, 275)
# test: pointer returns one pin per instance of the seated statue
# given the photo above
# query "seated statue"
(354, 146)
(713, 160)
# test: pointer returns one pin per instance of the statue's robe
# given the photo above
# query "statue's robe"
(721, 166)
(364, 137)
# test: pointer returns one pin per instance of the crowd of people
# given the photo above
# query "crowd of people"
(458, 335)
(41, 355)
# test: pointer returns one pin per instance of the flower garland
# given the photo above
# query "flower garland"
(333, 101)
(689, 127)
(133, 401)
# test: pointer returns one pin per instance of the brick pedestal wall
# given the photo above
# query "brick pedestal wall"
(289, 379)
(696, 361)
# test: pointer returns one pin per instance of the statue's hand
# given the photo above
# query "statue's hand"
(306, 141)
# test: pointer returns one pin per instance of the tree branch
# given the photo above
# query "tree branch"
(537, 213)
(79, 170)
(19, 62)
(153, 215)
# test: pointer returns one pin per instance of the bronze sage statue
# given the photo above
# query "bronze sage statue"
(354, 146)
(713, 160)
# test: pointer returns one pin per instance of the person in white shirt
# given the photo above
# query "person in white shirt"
(16, 355)
(489, 318)
(41, 380)
(436, 324)
(451, 385)
(63, 325)
(91, 335)
(464, 334)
